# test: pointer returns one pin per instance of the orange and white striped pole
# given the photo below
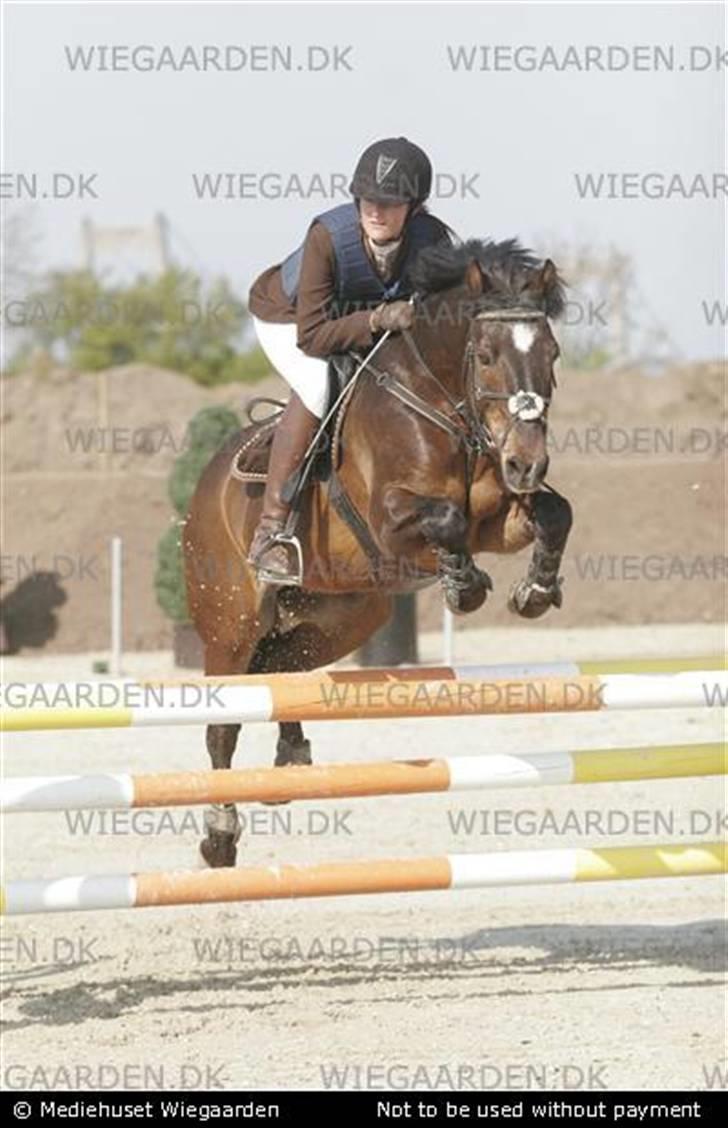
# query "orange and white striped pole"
(338, 879)
(122, 791)
(322, 697)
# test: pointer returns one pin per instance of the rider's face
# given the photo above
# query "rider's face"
(382, 222)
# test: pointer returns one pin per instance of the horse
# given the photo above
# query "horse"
(438, 453)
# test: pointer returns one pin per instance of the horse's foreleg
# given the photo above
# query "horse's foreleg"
(413, 523)
(550, 520)
(464, 585)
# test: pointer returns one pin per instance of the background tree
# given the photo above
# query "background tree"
(170, 321)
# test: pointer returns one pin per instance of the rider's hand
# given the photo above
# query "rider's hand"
(392, 315)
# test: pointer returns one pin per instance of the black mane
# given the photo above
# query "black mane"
(509, 268)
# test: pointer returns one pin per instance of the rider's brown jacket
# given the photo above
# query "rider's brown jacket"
(319, 334)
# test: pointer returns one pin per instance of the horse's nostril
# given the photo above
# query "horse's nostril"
(525, 473)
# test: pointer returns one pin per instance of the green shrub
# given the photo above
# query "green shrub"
(169, 581)
(207, 432)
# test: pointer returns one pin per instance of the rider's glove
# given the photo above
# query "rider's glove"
(395, 316)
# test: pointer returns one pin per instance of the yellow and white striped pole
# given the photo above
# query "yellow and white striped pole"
(122, 791)
(400, 875)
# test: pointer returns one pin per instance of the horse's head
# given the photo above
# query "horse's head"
(514, 351)
(510, 349)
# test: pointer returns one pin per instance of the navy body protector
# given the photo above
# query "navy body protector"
(356, 279)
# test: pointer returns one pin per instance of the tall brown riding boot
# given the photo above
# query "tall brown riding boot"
(293, 434)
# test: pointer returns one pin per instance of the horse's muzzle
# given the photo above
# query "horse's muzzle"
(523, 476)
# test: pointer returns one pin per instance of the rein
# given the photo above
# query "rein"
(465, 423)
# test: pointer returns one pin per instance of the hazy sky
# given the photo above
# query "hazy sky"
(520, 136)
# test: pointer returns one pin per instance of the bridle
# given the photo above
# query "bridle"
(525, 405)
(464, 422)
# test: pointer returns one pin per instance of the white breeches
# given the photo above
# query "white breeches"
(307, 375)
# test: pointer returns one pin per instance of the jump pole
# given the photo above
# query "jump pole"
(332, 781)
(472, 672)
(311, 697)
(336, 879)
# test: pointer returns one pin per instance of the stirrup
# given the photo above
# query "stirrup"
(290, 578)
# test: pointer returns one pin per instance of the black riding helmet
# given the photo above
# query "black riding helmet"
(393, 171)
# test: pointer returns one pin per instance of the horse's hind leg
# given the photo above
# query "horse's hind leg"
(291, 652)
(221, 821)
(292, 746)
(343, 623)
(222, 825)
(303, 648)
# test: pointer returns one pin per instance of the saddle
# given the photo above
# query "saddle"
(251, 455)
(249, 463)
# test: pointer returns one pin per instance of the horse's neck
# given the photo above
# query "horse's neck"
(440, 341)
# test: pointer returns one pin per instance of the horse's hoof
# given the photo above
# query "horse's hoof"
(530, 601)
(218, 849)
(287, 755)
(464, 600)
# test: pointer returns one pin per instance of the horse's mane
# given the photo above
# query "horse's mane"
(509, 268)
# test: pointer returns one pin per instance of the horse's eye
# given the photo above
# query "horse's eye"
(485, 354)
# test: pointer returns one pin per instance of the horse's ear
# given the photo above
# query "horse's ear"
(474, 277)
(543, 279)
(552, 289)
(549, 276)
(547, 287)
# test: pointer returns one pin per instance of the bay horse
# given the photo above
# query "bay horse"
(438, 453)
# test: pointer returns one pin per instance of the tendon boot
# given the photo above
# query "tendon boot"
(269, 555)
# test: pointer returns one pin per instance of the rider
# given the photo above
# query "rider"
(333, 295)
